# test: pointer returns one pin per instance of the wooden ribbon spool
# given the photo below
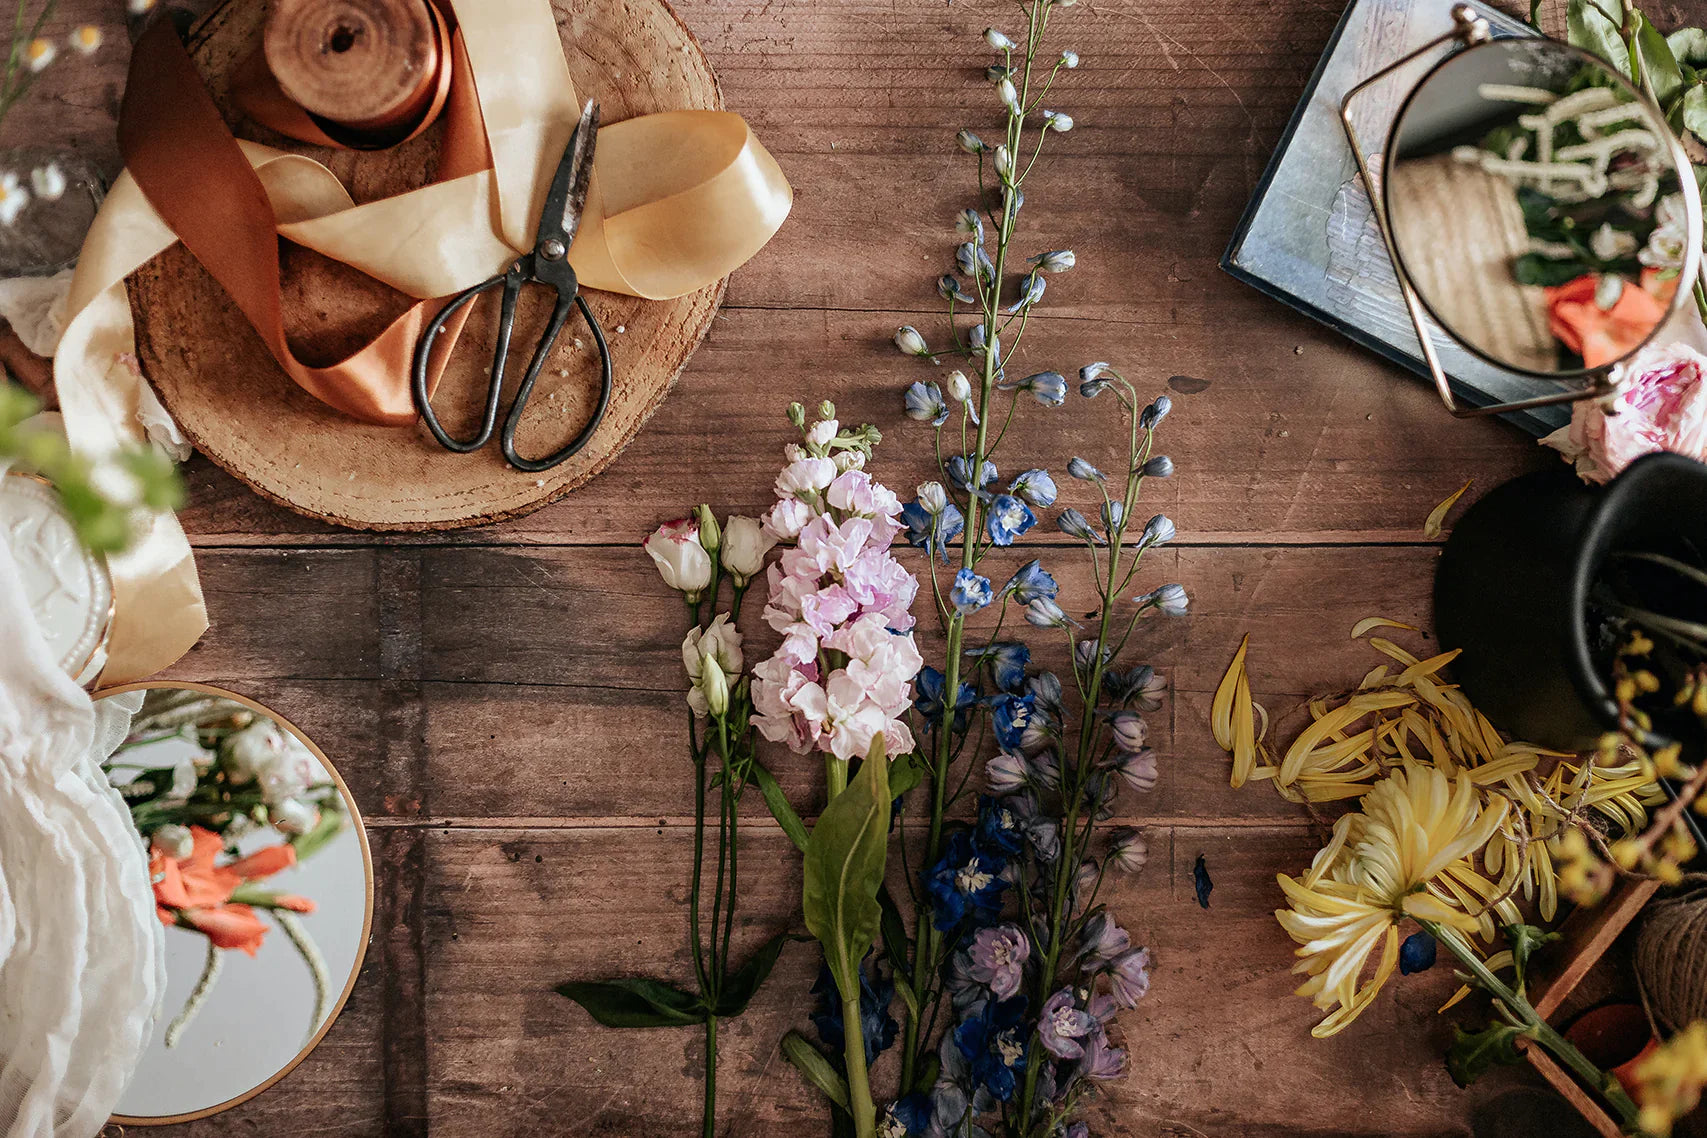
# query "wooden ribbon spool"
(237, 406)
(368, 65)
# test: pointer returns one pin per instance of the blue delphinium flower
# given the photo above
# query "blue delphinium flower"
(1047, 387)
(1155, 412)
(1045, 613)
(1159, 531)
(1081, 469)
(1000, 830)
(992, 1040)
(959, 473)
(1169, 600)
(931, 686)
(1113, 514)
(1029, 582)
(1010, 714)
(966, 882)
(1091, 382)
(1008, 659)
(932, 532)
(906, 1117)
(971, 592)
(1073, 524)
(1009, 518)
(875, 996)
(949, 288)
(925, 403)
(1160, 466)
(1036, 487)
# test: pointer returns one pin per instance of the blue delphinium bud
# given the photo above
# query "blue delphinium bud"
(1031, 581)
(1047, 387)
(1056, 261)
(1008, 518)
(970, 142)
(1057, 121)
(949, 289)
(1170, 600)
(1155, 412)
(1005, 773)
(1009, 95)
(1036, 487)
(972, 261)
(959, 473)
(907, 338)
(1031, 291)
(971, 592)
(1073, 524)
(924, 402)
(1091, 382)
(1004, 159)
(1159, 531)
(1069, 59)
(1160, 466)
(997, 40)
(1083, 470)
(996, 72)
(1045, 613)
(970, 223)
(959, 387)
(1113, 513)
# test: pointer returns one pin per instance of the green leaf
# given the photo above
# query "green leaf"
(1474, 1054)
(894, 929)
(904, 988)
(905, 773)
(810, 1062)
(741, 985)
(1534, 269)
(780, 809)
(330, 825)
(1535, 14)
(844, 867)
(635, 1002)
(1589, 27)
(1524, 940)
(1695, 111)
(1688, 45)
(1659, 65)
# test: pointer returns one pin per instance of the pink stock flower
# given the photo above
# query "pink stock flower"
(1660, 404)
(842, 677)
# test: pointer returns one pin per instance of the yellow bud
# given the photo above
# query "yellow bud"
(1626, 853)
(1625, 690)
(1666, 760)
(1668, 872)
(1572, 844)
(1699, 704)
(1646, 682)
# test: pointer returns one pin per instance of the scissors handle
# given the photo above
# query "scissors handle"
(512, 282)
(559, 315)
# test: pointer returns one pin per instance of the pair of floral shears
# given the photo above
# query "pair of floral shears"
(547, 263)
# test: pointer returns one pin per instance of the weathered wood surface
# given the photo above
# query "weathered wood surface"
(505, 702)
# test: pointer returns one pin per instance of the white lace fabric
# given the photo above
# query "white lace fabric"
(81, 951)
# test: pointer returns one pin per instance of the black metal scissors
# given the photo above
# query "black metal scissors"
(548, 264)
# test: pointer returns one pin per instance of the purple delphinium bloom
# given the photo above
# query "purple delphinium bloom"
(1129, 976)
(1130, 731)
(1062, 1024)
(1100, 1061)
(1128, 850)
(1005, 773)
(1102, 939)
(998, 958)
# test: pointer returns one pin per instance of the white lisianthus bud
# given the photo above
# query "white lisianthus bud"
(997, 40)
(293, 816)
(710, 656)
(48, 182)
(710, 537)
(745, 544)
(1004, 161)
(907, 338)
(959, 387)
(1069, 59)
(681, 560)
(173, 841)
(1007, 93)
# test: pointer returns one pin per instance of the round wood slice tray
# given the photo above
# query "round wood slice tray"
(241, 410)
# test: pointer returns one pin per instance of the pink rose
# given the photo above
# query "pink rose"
(1660, 404)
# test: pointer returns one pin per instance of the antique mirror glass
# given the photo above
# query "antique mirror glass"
(262, 879)
(1538, 206)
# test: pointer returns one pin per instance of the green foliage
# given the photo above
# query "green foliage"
(741, 985)
(1524, 941)
(146, 477)
(1475, 1053)
(779, 807)
(635, 1002)
(812, 1064)
(844, 862)
(1596, 30)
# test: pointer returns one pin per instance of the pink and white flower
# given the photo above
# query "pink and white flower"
(1660, 405)
(682, 561)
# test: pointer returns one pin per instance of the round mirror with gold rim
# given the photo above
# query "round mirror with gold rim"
(263, 879)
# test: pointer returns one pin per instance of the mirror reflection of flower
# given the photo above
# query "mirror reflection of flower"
(233, 774)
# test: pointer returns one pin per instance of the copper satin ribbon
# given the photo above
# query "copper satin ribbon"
(678, 200)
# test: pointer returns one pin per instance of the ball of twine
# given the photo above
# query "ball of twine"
(1671, 955)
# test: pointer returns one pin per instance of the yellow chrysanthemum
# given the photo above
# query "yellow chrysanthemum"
(1669, 1081)
(1415, 826)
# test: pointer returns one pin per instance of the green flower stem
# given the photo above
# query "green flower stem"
(1537, 1028)
(708, 1120)
(859, 1082)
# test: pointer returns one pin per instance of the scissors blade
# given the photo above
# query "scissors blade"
(568, 197)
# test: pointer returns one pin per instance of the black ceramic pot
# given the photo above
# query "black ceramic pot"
(1516, 589)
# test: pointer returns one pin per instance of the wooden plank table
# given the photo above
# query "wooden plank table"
(506, 702)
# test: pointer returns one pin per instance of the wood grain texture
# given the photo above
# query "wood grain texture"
(505, 701)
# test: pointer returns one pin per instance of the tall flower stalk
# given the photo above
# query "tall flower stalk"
(1013, 970)
(695, 557)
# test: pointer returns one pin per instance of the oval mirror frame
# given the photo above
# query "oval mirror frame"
(360, 830)
(1688, 274)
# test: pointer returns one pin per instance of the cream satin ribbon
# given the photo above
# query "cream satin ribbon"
(678, 200)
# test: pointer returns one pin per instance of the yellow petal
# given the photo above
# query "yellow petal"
(1437, 516)
(1244, 733)
(1221, 708)
(1362, 627)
